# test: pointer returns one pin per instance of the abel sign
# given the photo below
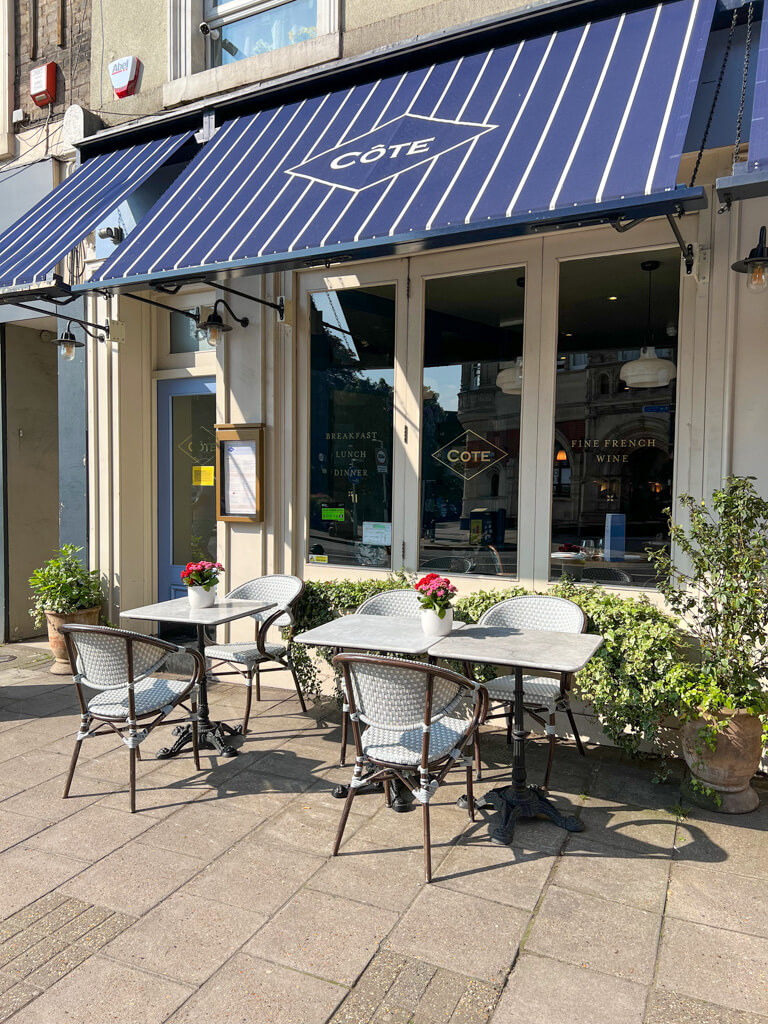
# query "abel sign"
(124, 73)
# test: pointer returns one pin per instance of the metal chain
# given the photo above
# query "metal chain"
(704, 137)
(740, 118)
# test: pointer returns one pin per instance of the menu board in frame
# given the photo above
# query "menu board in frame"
(239, 470)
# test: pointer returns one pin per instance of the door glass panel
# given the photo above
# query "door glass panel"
(351, 402)
(193, 460)
(471, 401)
(614, 415)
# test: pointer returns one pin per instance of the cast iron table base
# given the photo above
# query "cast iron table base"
(210, 735)
(520, 800)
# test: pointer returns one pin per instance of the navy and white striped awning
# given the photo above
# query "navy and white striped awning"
(582, 121)
(31, 248)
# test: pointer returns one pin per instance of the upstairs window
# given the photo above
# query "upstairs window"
(244, 28)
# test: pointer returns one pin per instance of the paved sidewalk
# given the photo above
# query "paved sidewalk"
(218, 902)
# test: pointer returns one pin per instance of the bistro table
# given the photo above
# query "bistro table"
(210, 734)
(538, 651)
(392, 634)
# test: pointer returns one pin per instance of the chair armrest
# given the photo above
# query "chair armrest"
(264, 627)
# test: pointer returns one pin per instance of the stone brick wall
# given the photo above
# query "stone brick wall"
(73, 76)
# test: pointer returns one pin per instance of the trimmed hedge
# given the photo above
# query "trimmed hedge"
(630, 683)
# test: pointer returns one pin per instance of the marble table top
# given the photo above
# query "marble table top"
(179, 610)
(533, 649)
(392, 633)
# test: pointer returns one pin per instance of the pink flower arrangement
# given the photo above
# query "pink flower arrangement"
(202, 574)
(435, 592)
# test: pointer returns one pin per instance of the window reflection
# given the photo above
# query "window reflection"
(272, 29)
(352, 383)
(614, 416)
(471, 397)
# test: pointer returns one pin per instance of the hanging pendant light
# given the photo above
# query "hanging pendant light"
(755, 266)
(510, 378)
(648, 371)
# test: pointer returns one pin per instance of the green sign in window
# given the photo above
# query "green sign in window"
(335, 514)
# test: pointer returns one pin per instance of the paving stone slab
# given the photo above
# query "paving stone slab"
(596, 933)
(362, 1002)
(204, 827)
(715, 965)
(614, 873)
(29, 914)
(102, 991)
(246, 989)
(441, 997)
(46, 799)
(541, 990)
(645, 832)
(504, 874)
(306, 825)
(134, 878)
(477, 1004)
(26, 874)
(671, 1008)
(16, 827)
(718, 898)
(68, 959)
(14, 997)
(30, 769)
(461, 933)
(91, 833)
(255, 876)
(737, 844)
(327, 936)
(185, 938)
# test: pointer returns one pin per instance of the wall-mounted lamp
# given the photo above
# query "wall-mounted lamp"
(755, 266)
(215, 328)
(562, 455)
(68, 344)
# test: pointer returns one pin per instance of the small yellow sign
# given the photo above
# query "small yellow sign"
(202, 476)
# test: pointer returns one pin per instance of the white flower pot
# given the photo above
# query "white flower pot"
(433, 625)
(199, 597)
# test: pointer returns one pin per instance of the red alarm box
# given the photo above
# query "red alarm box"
(42, 84)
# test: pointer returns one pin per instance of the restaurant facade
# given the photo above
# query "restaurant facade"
(476, 301)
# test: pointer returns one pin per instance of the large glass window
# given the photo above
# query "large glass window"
(614, 415)
(239, 30)
(471, 399)
(352, 353)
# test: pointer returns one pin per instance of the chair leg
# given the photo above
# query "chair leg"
(343, 754)
(470, 792)
(72, 763)
(552, 739)
(478, 762)
(343, 822)
(138, 753)
(248, 698)
(427, 845)
(257, 680)
(195, 738)
(132, 765)
(296, 684)
(576, 736)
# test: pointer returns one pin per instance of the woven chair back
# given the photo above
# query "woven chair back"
(102, 657)
(392, 694)
(392, 602)
(536, 611)
(605, 574)
(277, 589)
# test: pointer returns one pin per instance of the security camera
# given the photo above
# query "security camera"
(206, 30)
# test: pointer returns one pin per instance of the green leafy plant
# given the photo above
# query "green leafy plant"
(718, 587)
(63, 585)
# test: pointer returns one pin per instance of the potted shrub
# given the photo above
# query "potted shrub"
(719, 590)
(64, 590)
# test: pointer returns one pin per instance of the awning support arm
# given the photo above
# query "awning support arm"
(279, 305)
(621, 226)
(169, 309)
(685, 249)
(85, 324)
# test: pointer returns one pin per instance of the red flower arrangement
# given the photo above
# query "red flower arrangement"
(202, 574)
(435, 592)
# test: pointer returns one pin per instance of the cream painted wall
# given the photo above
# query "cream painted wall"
(138, 29)
(749, 430)
(32, 453)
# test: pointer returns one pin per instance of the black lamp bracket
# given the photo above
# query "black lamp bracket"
(685, 248)
(151, 302)
(279, 305)
(99, 331)
(243, 321)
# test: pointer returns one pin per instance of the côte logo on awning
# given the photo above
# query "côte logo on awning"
(392, 148)
(469, 454)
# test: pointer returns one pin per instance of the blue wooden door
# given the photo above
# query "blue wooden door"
(186, 491)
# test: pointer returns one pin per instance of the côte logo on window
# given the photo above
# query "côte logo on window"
(469, 454)
(390, 149)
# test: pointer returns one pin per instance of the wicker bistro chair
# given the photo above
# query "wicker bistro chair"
(543, 695)
(604, 574)
(420, 721)
(247, 657)
(130, 699)
(448, 563)
(389, 602)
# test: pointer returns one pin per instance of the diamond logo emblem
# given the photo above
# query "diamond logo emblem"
(396, 146)
(469, 454)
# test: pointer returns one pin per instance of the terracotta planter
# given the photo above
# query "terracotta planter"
(87, 616)
(728, 768)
